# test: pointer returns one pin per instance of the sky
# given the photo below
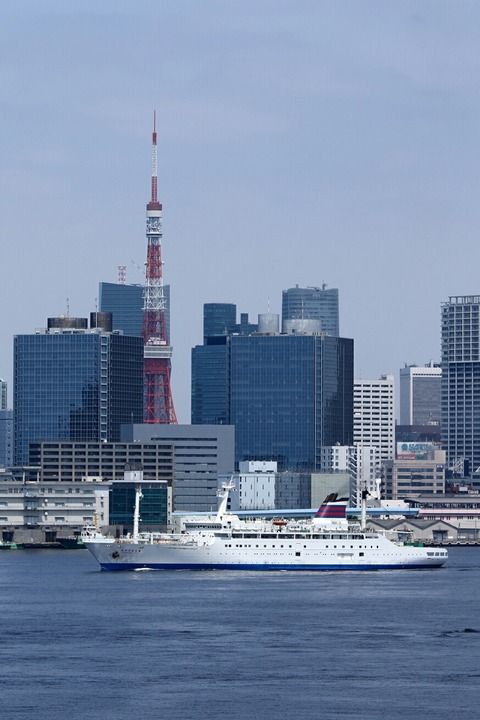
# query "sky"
(299, 142)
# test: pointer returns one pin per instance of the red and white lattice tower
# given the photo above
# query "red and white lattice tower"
(158, 401)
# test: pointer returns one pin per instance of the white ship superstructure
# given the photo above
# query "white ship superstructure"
(224, 542)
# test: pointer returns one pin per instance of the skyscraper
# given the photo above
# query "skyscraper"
(6, 428)
(125, 302)
(210, 384)
(290, 395)
(420, 395)
(210, 402)
(461, 383)
(219, 319)
(6, 438)
(74, 383)
(287, 394)
(312, 303)
(374, 415)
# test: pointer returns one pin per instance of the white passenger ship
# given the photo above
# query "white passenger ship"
(224, 542)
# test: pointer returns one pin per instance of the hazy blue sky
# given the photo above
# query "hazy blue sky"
(299, 142)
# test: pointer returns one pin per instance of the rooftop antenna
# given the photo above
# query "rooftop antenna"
(122, 274)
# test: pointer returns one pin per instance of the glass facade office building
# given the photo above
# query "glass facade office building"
(420, 395)
(219, 319)
(125, 302)
(153, 508)
(461, 383)
(75, 385)
(289, 395)
(210, 384)
(210, 363)
(313, 303)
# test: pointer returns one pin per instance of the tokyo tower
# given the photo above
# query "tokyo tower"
(157, 353)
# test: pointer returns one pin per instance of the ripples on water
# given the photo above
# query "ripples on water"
(80, 643)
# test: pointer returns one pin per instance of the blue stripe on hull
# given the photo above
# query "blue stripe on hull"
(172, 566)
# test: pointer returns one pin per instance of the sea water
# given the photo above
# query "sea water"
(76, 642)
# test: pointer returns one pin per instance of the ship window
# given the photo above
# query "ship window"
(361, 554)
(297, 553)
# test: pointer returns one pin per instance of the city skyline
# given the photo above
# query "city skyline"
(298, 143)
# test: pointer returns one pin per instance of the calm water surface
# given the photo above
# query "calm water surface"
(79, 643)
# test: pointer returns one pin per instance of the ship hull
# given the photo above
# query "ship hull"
(303, 556)
(299, 568)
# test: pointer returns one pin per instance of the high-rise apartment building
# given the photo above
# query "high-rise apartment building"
(420, 395)
(6, 428)
(74, 383)
(312, 303)
(374, 415)
(461, 383)
(6, 438)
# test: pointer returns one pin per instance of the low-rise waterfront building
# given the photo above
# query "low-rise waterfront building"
(460, 510)
(38, 512)
(403, 476)
(420, 530)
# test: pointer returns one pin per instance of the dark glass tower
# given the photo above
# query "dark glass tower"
(219, 319)
(125, 302)
(313, 303)
(210, 403)
(73, 384)
(289, 395)
(210, 384)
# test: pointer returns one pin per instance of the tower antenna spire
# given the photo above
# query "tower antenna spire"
(154, 198)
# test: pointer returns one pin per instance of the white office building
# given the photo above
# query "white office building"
(359, 461)
(374, 416)
(254, 486)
